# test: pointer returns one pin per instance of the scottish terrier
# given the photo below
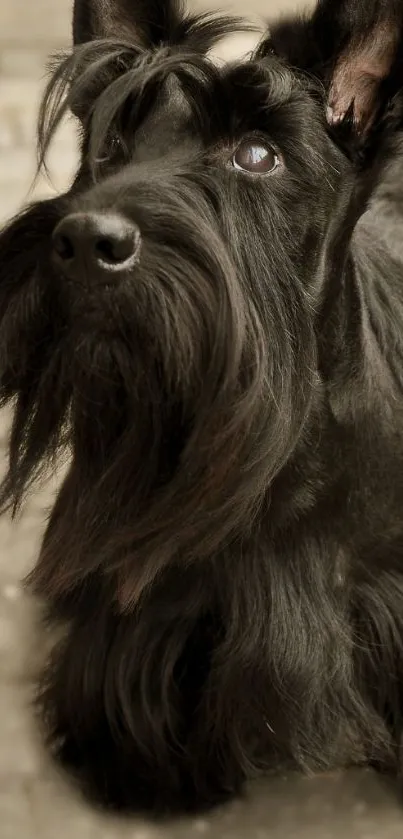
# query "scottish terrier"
(211, 319)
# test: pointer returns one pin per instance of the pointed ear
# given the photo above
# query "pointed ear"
(354, 47)
(147, 22)
(152, 23)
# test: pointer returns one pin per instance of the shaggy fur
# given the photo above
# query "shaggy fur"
(226, 553)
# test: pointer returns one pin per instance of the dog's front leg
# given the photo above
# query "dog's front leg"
(119, 701)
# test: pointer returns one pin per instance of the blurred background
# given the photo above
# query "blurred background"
(34, 801)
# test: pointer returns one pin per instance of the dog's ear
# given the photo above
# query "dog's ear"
(148, 22)
(354, 47)
(152, 23)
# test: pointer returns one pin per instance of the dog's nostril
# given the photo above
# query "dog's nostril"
(116, 249)
(63, 246)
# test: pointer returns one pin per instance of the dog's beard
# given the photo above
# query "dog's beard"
(181, 393)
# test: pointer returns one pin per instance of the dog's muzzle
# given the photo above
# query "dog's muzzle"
(98, 246)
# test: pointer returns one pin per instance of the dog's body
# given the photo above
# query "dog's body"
(216, 329)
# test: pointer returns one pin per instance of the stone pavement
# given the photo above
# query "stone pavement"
(35, 803)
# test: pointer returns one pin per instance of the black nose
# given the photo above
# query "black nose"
(96, 244)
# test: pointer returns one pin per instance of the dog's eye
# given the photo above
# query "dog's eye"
(256, 157)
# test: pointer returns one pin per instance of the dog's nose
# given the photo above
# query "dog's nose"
(96, 244)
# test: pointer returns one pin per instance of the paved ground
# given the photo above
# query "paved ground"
(34, 801)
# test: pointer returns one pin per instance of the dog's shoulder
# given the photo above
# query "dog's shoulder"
(383, 221)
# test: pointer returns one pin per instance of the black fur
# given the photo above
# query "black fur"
(226, 552)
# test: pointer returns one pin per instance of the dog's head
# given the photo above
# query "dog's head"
(162, 316)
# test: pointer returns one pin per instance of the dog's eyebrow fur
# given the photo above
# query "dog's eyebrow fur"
(91, 63)
(97, 81)
(110, 84)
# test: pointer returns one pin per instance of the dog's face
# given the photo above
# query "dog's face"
(164, 312)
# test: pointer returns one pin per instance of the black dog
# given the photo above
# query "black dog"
(207, 323)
